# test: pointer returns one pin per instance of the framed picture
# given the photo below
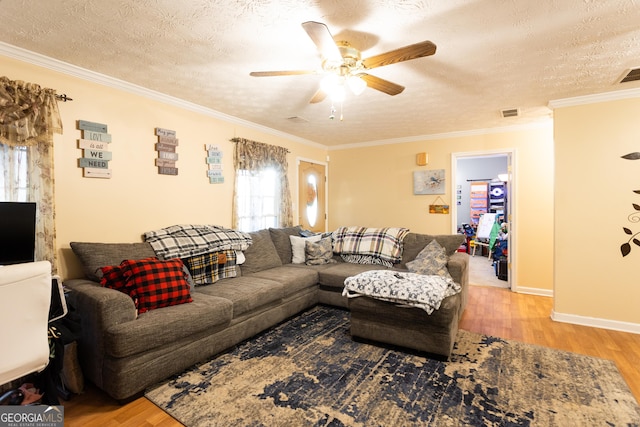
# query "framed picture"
(429, 182)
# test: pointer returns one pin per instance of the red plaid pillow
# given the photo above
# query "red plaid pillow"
(113, 277)
(156, 283)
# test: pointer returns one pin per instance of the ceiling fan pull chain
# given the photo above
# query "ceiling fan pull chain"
(341, 116)
(332, 115)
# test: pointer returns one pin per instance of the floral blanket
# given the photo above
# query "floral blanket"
(405, 289)
(183, 241)
(384, 244)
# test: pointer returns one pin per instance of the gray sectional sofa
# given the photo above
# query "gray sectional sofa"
(124, 353)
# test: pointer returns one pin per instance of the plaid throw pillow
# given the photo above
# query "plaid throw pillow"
(156, 283)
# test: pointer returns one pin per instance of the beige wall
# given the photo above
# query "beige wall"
(369, 186)
(137, 199)
(373, 186)
(593, 199)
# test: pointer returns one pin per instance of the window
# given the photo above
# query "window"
(261, 195)
(14, 185)
(258, 199)
(30, 117)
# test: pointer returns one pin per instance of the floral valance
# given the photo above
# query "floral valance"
(254, 156)
(28, 114)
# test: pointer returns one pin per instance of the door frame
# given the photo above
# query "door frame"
(326, 187)
(512, 194)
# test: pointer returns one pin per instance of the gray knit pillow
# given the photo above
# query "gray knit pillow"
(319, 253)
(432, 260)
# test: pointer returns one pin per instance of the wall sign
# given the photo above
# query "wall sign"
(439, 206)
(214, 160)
(166, 148)
(94, 145)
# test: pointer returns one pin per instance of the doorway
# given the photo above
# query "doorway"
(312, 182)
(487, 169)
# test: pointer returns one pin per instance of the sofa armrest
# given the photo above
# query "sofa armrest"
(98, 309)
(458, 267)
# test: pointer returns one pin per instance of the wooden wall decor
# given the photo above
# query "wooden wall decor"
(95, 149)
(166, 148)
(214, 160)
(439, 206)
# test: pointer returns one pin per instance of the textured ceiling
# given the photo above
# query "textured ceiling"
(491, 55)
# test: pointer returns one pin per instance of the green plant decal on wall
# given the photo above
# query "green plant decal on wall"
(633, 217)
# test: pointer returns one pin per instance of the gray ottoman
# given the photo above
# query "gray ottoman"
(413, 328)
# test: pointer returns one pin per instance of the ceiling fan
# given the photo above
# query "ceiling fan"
(342, 64)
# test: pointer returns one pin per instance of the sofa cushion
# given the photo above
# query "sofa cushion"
(333, 276)
(432, 260)
(261, 254)
(154, 283)
(298, 245)
(291, 276)
(280, 239)
(96, 255)
(157, 328)
(247, 293)
(413, 243)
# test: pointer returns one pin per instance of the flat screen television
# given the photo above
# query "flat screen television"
(17, 232)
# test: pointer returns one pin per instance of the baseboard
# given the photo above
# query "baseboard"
(534, 291)
(595, 322)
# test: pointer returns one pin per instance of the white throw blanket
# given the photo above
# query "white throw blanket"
(405, 289)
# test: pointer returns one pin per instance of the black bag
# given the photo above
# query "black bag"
(502, 270)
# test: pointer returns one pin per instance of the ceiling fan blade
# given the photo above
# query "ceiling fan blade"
(321, 36)
(382, 85)
(280, 73)
(319, 96)
(406, 53)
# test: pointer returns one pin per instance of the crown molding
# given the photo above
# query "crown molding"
(545, 123)
(595, 98)
(37, 59)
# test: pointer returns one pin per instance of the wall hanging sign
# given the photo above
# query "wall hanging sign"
(166, 148)
(428, 182)
(441, 208)
(95, 150)
(214, 160)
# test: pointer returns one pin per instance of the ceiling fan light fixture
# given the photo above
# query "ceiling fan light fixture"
(333, 85)
(356, 84)
(337, 94)
(329, 82)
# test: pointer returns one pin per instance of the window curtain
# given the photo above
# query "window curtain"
(29, 117)
(255, 157)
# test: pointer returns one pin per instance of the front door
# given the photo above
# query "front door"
(311, 196)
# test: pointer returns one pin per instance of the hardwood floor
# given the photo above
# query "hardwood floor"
(490, 311)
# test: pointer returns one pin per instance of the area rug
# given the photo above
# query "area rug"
(309, 372)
